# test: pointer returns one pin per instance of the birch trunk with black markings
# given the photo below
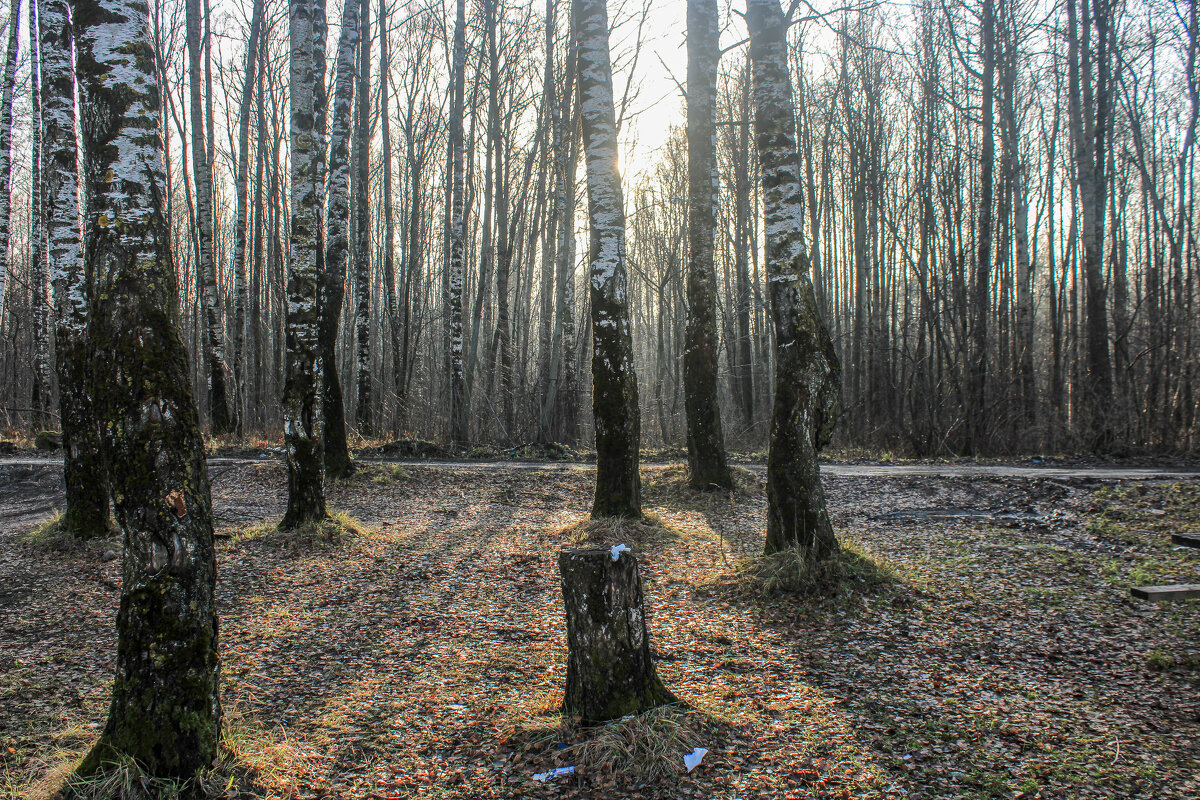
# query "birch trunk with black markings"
(165, 713)
(807, 372)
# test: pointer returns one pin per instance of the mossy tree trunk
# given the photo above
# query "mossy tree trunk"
(84, 474)
(707, 468)
(807, 373)
(614, 381)
(303, 421)
(337, 244)
(609, 669)
(165, 711)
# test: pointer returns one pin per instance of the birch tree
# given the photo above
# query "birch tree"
(303, 421)
(6, 111)
(219, 407)
(614, 382)
(86, 513)
(165, 710)
(362, 225)
(337, 243)
(38, 245)
(242, 188)
(706, 443)
(807, 373)
(457, 234)
(1091, 39)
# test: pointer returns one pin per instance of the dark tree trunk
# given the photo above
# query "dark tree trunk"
(980, 304)
(614, 382)
(707, 468)
(165, 711)
(807, 373)
(609, 669)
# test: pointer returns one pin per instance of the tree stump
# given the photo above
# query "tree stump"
(609, 670)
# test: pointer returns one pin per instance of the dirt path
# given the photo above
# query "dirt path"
(424, 658)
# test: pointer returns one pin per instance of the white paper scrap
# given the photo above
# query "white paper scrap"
(617, 549)
(693, 759)
(554, 773)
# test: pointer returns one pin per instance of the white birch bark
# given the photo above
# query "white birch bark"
(165, 711)
(807, 373)
(86, 514)
(6, 108)
(303, 421)
(39, 283)
(457, 234)
(614, 382)
(214, 334)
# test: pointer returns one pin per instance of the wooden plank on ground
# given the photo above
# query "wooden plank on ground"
(1177, 591)
(1186, 539)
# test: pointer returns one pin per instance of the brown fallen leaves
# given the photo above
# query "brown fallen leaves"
(423, 656)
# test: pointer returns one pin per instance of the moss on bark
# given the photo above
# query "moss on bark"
(807, 372)
(609, 669)
(165, 712)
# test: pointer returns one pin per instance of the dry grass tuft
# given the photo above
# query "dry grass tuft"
(641, 747)
(252, 762)
(51, 536)
(670, 486)
(790, 572)
(606, 532)
(328, 531)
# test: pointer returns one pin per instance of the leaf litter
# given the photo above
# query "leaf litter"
(424, 654)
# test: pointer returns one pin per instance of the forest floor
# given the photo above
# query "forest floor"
(991, 650)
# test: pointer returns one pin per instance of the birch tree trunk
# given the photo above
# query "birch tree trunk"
(84, 477)
(214, 335)
(362, 227)
(1089, 43)
(240, 287)
(303, 420)
(165, 711)
(337, 244)
(807, 373)
(39, 285)
(389, 231)
(6, 109)
(458, 387)
(707, 468)
(980, 305)
(614, 382)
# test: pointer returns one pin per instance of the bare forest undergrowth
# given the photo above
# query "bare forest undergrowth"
(992, 651)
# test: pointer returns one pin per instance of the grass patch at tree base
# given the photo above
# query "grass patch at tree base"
(316, 533)
(791, 572)
(52, 536)
(670, 486)
(251, 762)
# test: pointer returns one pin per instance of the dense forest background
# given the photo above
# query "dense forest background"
(1000, 218)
